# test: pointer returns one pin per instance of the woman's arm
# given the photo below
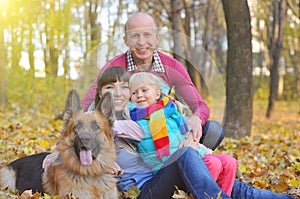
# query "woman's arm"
(128, 129)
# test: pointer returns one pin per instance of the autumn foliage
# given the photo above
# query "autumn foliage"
(269, 159)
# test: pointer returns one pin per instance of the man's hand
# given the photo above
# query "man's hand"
(195, 125)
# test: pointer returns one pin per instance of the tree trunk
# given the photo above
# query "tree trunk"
(239, 90)
(297, 81)
(276, 46)
(53, 56)
(3, 76)
(51, 48)
(192, 70)
(207, 34)
(66, 40)
(176, 31)
(44, 44)
(16, 48)
(95, 35)
(31, 52)
(93, 38)
(112, 50)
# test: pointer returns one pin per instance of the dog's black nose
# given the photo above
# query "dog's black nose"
(85, 138)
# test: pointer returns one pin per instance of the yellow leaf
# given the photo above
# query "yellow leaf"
(26, 194)
(179, 194)
(44, 143)
(133, 192)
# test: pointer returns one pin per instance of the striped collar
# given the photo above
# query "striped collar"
(157, 65)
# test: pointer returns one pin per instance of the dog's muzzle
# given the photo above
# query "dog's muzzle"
(86, 148)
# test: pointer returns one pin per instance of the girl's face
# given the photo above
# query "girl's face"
(145, 95)
(120, 92)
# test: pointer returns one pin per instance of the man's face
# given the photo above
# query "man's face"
(142, 39)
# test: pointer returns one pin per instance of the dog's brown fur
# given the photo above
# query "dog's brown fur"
(83, 132)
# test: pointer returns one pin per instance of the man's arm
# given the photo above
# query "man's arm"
(89, 96)
(176, 75)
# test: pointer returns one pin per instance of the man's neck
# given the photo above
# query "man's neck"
(144, 67)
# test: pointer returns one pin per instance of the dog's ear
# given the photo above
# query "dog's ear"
(106, 106)
(72, 105)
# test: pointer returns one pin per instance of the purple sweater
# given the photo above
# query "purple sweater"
(175, 75)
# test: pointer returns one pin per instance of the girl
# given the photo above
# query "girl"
(165, 130)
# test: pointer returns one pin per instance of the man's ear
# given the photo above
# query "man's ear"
(157, 37)
(125, 40)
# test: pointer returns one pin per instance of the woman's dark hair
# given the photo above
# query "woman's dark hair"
(111, 75)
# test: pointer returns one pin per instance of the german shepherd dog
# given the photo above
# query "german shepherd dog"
(86, 151)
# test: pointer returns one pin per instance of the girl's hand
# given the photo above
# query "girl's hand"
(189, 141)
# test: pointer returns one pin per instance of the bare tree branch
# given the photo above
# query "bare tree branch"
(293, 8)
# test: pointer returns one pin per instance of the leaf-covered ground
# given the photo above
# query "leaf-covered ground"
(269, 159)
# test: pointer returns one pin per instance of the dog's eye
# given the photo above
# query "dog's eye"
(95, 126)
(77, 126)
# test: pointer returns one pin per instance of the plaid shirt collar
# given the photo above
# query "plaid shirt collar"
(157, 65)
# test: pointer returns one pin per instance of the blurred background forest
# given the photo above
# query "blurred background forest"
(50, 46)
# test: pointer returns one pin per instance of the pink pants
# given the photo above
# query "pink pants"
(223, 170)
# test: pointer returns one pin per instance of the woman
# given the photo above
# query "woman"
(186, 169)
(115, 80)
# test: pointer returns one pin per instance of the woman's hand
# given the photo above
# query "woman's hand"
(49, 159)
(115, 170)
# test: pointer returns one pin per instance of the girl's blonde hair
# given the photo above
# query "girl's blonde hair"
(139, 79)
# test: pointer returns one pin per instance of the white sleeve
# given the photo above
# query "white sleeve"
(128, 129)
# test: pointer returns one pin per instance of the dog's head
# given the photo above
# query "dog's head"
(87, 143)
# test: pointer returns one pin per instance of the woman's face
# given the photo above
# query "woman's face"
(120, 92)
